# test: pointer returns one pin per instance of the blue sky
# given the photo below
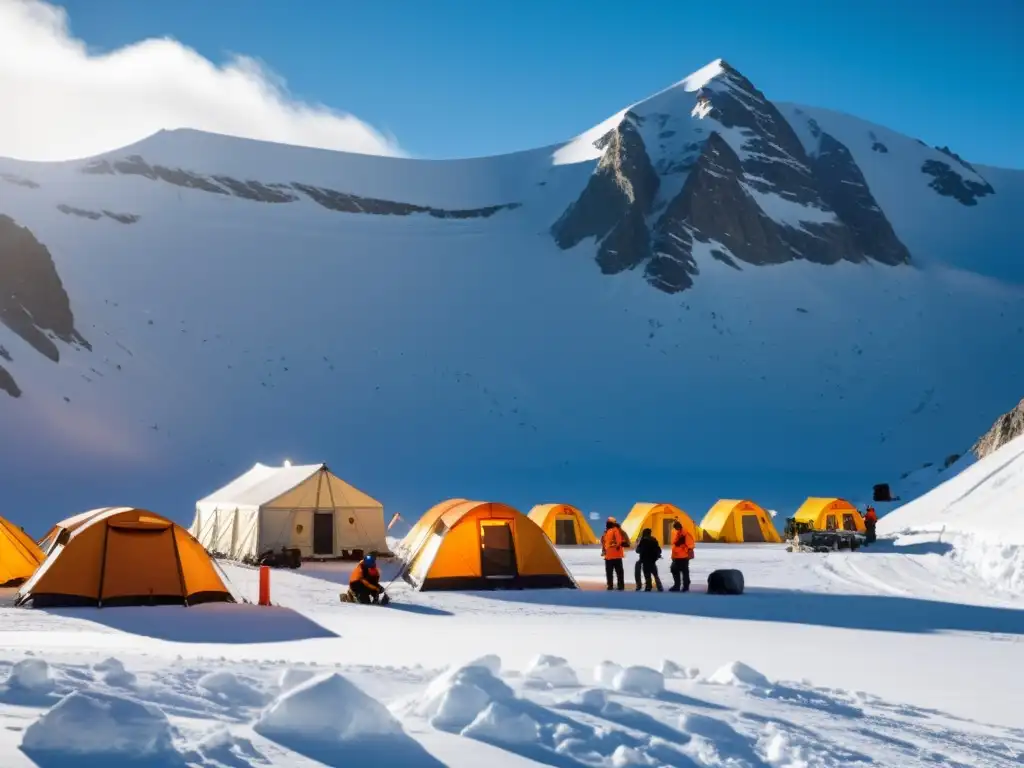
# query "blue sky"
(456, 78)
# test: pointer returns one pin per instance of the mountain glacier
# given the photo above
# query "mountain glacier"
(708, 295)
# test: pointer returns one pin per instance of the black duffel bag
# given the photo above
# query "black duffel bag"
(725, 582)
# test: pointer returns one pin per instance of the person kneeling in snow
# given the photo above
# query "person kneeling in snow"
(648, 552)
(364, 583)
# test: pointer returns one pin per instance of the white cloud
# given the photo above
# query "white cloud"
(61, 101)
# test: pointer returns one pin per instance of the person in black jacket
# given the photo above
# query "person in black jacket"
(648, 552)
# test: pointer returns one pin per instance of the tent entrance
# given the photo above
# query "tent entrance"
(497, 550)
(848, 522)
(140, 565)
(323, 533)
(565, 531)
(667, 531)
(751, 528)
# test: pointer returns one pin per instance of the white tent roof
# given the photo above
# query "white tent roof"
(262, 485)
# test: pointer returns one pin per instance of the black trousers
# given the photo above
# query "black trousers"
(681, 567)
(649, 572)
(869, 536)
(614, 568)
(363, 593)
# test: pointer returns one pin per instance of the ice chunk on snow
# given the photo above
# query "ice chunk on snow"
(92, 723)
(671, 669)
(605, 672)
(500, 723)
(293, 676)
(624, 756)
(31, 675)
(490, 662)
(738, 673)
(113, 673)
(553, 670)
(326, 709)
(228, 689)
(455, 698)
(642, 680)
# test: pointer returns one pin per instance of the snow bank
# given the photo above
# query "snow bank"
(456, 698)
(326, 709)
(640, 680)
(551, 670)
(228, 689)
(671, 669)
(739, 674)
(606, 672)
(113, 673)
(294, 676)
(500, 723)
(30, 676)
(101, 724)
(979, 513)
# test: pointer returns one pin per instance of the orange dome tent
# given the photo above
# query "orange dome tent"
(468, 545)
(124, 556)
(733, 520)
(830, 514)
(563, 524)
(659, 518)
(19, 555)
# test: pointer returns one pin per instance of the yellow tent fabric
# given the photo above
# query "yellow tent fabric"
(19, 555)
(564, 524)
(830, 514)
(124, 556)
(460, 544)
(659, 518)
(738, 520)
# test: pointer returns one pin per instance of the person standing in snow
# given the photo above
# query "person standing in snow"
(682, 552)
(648, 552)
(614, 542)
(870, 519)
(364, 583)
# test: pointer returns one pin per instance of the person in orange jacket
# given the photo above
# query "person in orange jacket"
(614, 542)
(870, 519)
(364, 583)
(682, 552)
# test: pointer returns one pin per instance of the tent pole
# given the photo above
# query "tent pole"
(103, 566)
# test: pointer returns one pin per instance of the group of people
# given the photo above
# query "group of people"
(615, 542)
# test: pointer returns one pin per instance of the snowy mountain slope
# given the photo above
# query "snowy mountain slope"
(422, 326)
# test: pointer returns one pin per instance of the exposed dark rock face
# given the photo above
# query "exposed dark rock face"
(258, 191)
(1007, 427)
(123, 218)
(614, 205)
(876, 145)
(19, 181)
(8, 384)
(846, 191)
(723, 192)
(33, 302)
(950, 153)
(948, 183)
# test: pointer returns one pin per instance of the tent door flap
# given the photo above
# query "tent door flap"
(323, 533)
(667, 531)
(497, 551)
(751, 528)
(849, 524)
(565, 531)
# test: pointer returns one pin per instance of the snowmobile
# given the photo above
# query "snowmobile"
(802, 537)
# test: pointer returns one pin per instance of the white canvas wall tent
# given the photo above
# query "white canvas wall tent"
(305, 507)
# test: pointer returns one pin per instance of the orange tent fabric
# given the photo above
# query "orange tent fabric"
(461, 544)
(19, 555)
(659, 518)
(124, 556)
(830, 513)
(564, 524)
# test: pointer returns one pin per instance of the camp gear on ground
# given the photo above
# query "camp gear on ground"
(565, 525)
(732, 521)
(125, 556)
(462, 544)
(725, 582)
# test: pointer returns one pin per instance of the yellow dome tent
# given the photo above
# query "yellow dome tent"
(830, 514)
(659, 518)
(124, 556)
(563, 524)
(468, 545)
(19, 555)
(734, 520)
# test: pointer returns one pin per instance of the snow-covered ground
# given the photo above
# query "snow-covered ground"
(889, 656)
